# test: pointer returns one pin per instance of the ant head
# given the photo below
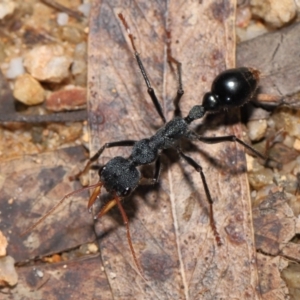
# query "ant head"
(119, 176)
(231, 88)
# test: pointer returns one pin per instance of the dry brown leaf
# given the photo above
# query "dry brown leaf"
(29, 187)
(271, 285)
(169, 223)
(280, 72)
(80, 279)
(274, 224)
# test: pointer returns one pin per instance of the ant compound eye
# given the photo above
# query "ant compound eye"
(126, 192)
(103, 168)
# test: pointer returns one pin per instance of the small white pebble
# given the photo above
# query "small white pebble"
(7, 7)
(15, 68)
(276, 13)
(253, 194)
(283, 177)
(8, 273)
(271, 123)
(253, 30)
(112, 275)
(62, 19)
(85, 9)
(92, 248)
(289, 141)
(257, 129)
(39, 273)
(48, 62)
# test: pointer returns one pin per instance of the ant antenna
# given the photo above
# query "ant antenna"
(128, 31)
(97, 186)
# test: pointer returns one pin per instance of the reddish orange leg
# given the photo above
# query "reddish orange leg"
(105, 209)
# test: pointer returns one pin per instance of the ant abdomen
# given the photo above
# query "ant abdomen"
(231, 88)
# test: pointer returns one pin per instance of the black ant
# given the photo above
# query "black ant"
(120, 176)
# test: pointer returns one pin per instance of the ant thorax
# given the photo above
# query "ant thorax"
(169, 135)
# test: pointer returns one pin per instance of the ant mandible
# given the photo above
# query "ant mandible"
(120, 176)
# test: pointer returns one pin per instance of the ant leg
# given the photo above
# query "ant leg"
(150, 90)
(180, 91)
(154, 180)
(198, 168)
(228, 138)
(157, 170)
(99, 152)
(105, 209)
